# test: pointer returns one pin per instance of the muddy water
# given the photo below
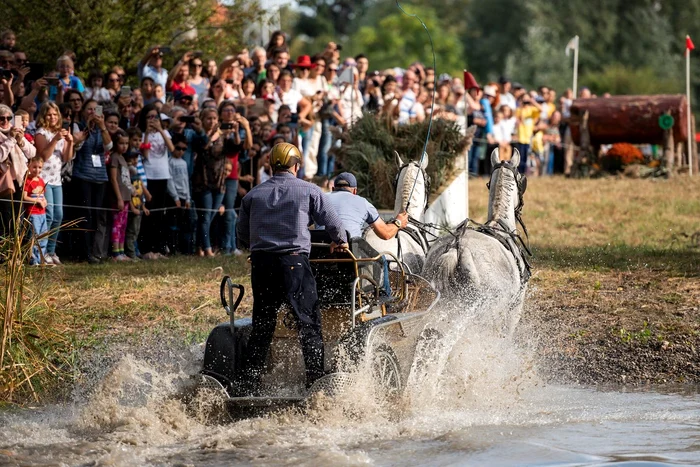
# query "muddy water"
(482, 404)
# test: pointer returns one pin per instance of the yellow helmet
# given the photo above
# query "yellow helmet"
(283, 155)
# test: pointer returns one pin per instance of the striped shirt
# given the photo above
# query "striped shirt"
(275, 216)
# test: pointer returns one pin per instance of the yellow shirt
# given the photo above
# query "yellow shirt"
(527, 116)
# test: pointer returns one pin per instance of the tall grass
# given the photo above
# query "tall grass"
(34, 352)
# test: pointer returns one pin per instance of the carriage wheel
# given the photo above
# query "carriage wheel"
(386, 372)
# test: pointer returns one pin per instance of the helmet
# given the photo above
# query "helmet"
(283, 155)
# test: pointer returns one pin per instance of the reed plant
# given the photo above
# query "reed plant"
(35, 351)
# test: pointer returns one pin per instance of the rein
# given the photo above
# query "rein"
(521, 182)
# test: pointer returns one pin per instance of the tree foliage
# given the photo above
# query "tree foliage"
(103, 33)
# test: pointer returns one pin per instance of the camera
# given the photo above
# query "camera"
(164, 50)
(51, 81)
(226, 126)
(187, 119)
(5, 74)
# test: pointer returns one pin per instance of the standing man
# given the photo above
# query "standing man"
(273, 224)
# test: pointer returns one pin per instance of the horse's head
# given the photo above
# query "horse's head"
(506, 189)
(412, 186)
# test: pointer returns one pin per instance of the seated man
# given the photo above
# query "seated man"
(355, 211)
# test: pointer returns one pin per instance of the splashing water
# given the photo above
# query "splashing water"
(472, 397)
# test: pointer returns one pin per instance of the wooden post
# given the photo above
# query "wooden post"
(680, 159)
(669, 150)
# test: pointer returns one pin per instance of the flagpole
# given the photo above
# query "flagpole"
(691, 137)
(576, 69)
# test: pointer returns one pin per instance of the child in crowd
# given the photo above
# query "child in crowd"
(179, 191)
(34, 189)
(121, 192)
(137, 207)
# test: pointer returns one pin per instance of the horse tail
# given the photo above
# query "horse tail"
(443, 268)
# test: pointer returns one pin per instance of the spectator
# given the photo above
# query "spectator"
(280, 57)
(89, 176)
(54, 143)
(257, 72)
(94, 89)
(179, 190)
(67, 80)
(8, 40)
(148, 91)
(526, 116)
(120, 193)
(277, 40)
(137, 206)
(199, 82)
(407, 110)
(217, 91)
(15, 152)
(154, 148)
(362, 64)
(178, 79)
(151, 66)
(208, 180)
(211, 69)
(35, 200)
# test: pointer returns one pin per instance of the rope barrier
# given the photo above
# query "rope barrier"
(170, 208)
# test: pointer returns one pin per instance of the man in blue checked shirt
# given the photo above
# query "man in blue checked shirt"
(274, 224)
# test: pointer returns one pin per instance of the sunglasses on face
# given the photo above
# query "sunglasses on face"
(198, 65)
(114, 80)
(151, 117)
(4, 118)
(21, 61)
(6, 62)
(75, 100)
(181, 148)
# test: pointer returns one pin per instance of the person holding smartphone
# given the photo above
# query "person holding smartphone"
(92, 141)
(151, 65)
(155, 146)
(54, 143)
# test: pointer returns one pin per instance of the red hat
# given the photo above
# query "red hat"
(470, 81)
(304, 61)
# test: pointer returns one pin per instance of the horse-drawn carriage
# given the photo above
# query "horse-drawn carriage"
(371, 314)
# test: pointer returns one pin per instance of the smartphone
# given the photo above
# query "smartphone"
(66, 125)
(229, 81)
(187, 119)
(51, 81)
(6, 74)
(226, 126)
(295, 119)
(98, 110)
(125, 91)
(18, 121)
(169, 96)
(165, 50)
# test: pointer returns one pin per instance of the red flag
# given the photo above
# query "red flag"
(689, 43)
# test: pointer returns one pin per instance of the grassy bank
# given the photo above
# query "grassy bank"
(615, 295)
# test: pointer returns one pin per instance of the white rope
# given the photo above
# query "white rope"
(113, 209)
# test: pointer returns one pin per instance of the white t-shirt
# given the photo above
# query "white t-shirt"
(156, 166)
(502, 131)
(51, 172)
(290, 98)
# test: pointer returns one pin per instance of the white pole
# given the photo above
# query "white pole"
(691, 137)
(576, 69)
(466, 153)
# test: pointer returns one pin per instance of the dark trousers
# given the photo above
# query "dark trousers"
(524, 150)
(91, 197)
(153, 235)
(277, 279)
(180, 235)
(11, 208)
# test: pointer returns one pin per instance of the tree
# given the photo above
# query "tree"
(330, 17)
(103, 33)
(399, 40)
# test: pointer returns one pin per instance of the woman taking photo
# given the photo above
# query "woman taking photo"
(15, 151)
(208, 179)
(154, 148)
(90, 176)
(197, 81)
(55, 145)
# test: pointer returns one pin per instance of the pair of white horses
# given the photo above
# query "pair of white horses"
(469, 263)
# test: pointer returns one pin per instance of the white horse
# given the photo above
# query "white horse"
(412, 189)
(485, 263)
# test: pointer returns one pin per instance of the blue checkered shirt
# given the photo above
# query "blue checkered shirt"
(275, 216)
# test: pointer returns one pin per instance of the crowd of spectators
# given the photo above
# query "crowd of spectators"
(157, 163)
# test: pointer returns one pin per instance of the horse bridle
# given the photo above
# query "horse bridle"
(521, 182)
(426, 178)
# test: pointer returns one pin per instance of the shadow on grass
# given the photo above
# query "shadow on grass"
(676, 261)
